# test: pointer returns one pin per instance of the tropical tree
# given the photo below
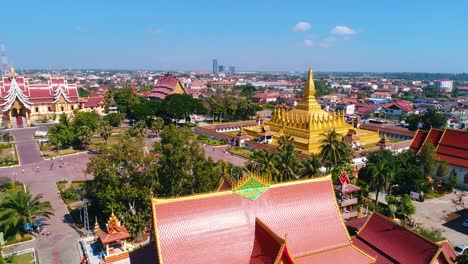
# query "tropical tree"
(84, 135)
(7, 137)
(289, 165)
(60, 136)
(333, 151)
(18, 208)
(105, 131)
(268, 164)
(413, 122)
(311, 166)
(381, 177)
(157, 124)
(139, 130)
(433, 119)
(443, 169)
(427, 158)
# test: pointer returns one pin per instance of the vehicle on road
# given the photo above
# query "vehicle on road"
(460, 249)
(465, 223)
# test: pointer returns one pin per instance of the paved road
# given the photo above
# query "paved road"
(28, 150)
(444, 214)
(61, 246)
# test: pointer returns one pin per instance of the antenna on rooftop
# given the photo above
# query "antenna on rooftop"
(4, 69)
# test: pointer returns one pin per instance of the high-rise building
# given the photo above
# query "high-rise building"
(215, 66)
(221, 68)
(232, 69)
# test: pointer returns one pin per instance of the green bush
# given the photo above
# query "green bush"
(70, 194)
(433, 234)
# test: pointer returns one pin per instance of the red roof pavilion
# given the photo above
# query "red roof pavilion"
(223, 227)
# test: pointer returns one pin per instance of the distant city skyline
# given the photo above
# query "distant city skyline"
(331, 36)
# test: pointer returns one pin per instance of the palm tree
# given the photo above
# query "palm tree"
(288, 163)
(105, 131)
(139, 130)
(311, 166)
(269, 163)
(381, 177)
(84, 135)
(285, 139)
(19, 208)
(333, 151)
(157, 124)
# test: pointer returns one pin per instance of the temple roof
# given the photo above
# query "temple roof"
(451, 145)
(165, 86)
(115, 231)
(391, 243)
(226, 222)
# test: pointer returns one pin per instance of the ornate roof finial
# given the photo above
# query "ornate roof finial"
(309, 89)
(12, 71)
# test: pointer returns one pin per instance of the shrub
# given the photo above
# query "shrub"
(433, 234)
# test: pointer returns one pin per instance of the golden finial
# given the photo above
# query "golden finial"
(12, 71)
(309, 89)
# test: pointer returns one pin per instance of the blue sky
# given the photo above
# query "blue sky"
(416, 36)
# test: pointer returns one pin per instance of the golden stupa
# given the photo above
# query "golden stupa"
(308, 121)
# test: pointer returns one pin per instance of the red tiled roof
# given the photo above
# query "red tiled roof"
(448, 250)
(226, 222)
(346, 254)
(418, 140)
(451, 145)
(392, 243)
(93, 102)
(267, 245)
(114, 236)
(356, 223)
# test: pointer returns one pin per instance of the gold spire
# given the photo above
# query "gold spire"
(309, 103)
(12, 71)
(309, 89)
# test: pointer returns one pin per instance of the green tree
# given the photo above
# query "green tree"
(268, 164)
(114, 119)
(145, 111)
(321, 88)
(125, 98)
(433, 119)
(105, 131)
(443, 169)
(18, 208)
(311, 166)
(84, 135)
(427, 158)
(82, 92)
(88, 119)
(333, 151)
(139, 130)
(157, 124)
(413, 122)
(60, 136)
(289, 165)
(180, 106)
(381, 177)
(7, 137)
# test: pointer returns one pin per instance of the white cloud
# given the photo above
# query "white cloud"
(301, 26)
(152, 30)
(327, 42)
(309, 42)
(343, 30)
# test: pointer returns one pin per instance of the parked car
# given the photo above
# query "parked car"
(460, 249)
(465, 223)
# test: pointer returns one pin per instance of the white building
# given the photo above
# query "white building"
(444, 84)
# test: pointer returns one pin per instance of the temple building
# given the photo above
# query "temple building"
(307, 121)
(112, 241)
(165, 86)
(251, 221)
(22, 103)
(255, 222)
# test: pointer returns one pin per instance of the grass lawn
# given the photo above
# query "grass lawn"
(95, 141)
(6, 158)
(120, 129)
(49, 150)
(20, 259)
(210, 141)
(243, 152)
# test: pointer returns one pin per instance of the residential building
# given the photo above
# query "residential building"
(444, 85)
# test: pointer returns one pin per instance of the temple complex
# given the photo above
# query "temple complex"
(308, 121)
(112, 241)
(22, 103)
(253, 221)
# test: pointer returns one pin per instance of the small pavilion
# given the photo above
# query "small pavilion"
(114, 240)
(265, 136)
